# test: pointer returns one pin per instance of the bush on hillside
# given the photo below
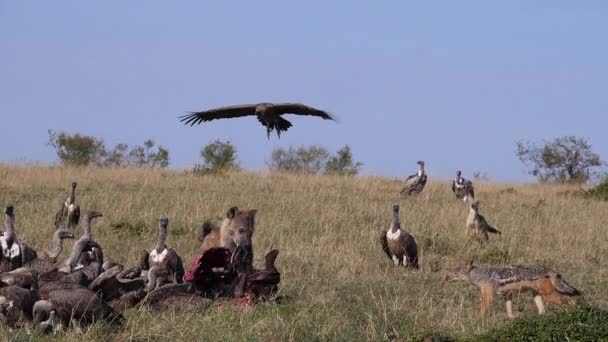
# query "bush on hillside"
(217, 157)
(83, 150)
(342, 163)
(76, 149)
(314, 159)
(600, 192)
(302, 159)
(567, 159)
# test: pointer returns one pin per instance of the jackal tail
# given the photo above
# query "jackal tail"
(493, 230)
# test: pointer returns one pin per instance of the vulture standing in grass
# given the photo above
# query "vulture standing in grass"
(69, 210)
(14, 254)
(269, 114)
(25, 276)
(162, 265)
(463, 188)
(398, 244)
(414, 184)
(87, 255)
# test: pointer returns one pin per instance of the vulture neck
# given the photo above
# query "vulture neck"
(87, 230)
(72, 197)
(162, 238)
(395, 224)
(420, 170)
(76, 252)
(9, 229)
(57, 247)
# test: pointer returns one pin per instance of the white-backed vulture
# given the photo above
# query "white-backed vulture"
(398, 244)
(163, 265)
(463, 188)
(414, 184)
(69, 210)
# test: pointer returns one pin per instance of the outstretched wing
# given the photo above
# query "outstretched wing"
(300, 109)
(218, 113)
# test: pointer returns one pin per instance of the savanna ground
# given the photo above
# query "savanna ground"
(337, 284)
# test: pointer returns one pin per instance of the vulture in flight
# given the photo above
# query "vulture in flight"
(269, 114)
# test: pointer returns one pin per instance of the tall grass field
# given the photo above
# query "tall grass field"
(337, 284)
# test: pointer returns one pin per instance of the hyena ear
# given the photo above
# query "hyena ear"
(252, 212)
(232, 212)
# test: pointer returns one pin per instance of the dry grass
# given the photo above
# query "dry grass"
(337, 282)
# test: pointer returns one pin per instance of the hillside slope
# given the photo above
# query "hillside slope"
(336, 281)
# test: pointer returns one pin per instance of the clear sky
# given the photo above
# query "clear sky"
(455, 83)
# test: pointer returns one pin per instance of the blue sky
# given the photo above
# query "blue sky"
(453, 83)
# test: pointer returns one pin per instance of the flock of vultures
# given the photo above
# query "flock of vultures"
(47, 292)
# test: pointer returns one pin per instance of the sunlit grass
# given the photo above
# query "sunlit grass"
(336, 282)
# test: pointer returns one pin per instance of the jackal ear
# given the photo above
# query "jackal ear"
(232, 212)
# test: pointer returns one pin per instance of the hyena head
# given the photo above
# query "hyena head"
(238, 227)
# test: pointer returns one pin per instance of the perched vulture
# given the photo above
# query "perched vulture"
(414, 184)
(462, 188)
(269, 114)
(68, 209)
(398, 244)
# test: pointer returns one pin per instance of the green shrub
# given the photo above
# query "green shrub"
(217, 157)
(583, 323)
(600, 192)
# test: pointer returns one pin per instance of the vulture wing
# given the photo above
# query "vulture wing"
(384, 244)
(218, 113)
(300, 109)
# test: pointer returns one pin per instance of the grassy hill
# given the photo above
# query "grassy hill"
(337, 282)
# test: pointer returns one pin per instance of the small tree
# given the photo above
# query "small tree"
(303, 159)
(85, 150)
(144, 156)
(76, 149)
(342, 163)
(564, 159)
(115, 157)
(217, 156)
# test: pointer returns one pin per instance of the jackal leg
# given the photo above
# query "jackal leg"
(538, 299)
(487, 298)
(510, 312)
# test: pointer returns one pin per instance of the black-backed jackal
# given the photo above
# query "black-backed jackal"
(477, 223)
(543, 282)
